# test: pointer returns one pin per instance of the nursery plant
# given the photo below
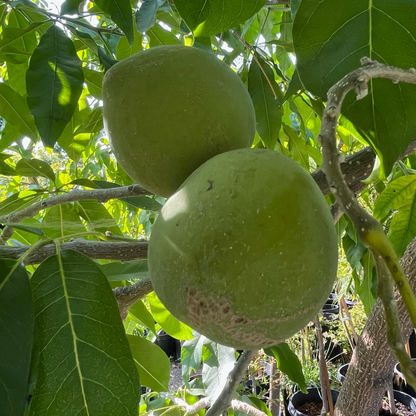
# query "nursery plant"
(331, 86)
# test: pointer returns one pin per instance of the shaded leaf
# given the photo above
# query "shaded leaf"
(325, 54)
(210, 17)
(191, 357)
(297, 147)
(17, 202)
(167, 321)
(54, 84)
(27, 237)
(84, 353)
(106, 61)
(146, 15)
(16, 334)
(152, 363)
(9, 35)
(117, 270)
(121, 13)
(35, 168)
(27, 228)
(93, 123)
(71, 7)
(268, 109)
(6, 169)
(15, 110)
(288, 362)
(97, 217)
(216, 368)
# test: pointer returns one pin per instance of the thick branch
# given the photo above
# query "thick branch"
(223, 401)
(106, 250)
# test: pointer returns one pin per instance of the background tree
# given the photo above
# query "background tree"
(74, 226)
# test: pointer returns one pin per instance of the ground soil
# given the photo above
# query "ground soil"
(401, 410)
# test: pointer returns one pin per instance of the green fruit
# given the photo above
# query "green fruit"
(245, 252)
(169, 109)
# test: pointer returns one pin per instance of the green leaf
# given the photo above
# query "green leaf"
(266, 100)
(167, 321)
(140, 312)
(353, 251)
(325, 54)
(84, 353)
(92, 124)
(15, 110)
(16, 334)
(399, 195)
(216, 368)
(24, 233)
(146, 15)
(62, 220)
(210, 17)
(9, 135)
(121, 13)
(35, 168)
(297, 147)
(117, 270)
(71, 7)
(366, 289)
(191, 357)
(159, 36)
(54, 84)
(288, 362)
(17, 202)
(10, 35)
(124, 49)
(6, 169)
(97, 217)
(151, 362)
(31, 230)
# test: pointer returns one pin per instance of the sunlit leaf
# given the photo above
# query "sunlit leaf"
(140, 312)
(399, 195)
(210, 17)
(288, 363)
(167, 321)
(84, 353)
(159, 36)
(326, 53)
(62, 220)
(54, 84)
(17, 201)
(15, 110)
(35, 168)
(151, 362)
(16, 334)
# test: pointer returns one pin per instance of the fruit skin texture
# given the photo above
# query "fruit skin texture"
(170, 108)
(245, 252)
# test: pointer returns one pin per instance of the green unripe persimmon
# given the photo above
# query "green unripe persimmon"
(169, 109)
(245, 251)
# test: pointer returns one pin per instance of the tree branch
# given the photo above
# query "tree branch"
(101, 195)
(223, 401)
(107, 250)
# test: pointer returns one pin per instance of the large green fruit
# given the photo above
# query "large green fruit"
(169, 109)
(245, 252)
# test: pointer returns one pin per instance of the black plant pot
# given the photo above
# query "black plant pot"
(341, 372)
(405, 399)
(400, 381)
(297, 399)
(171, 346)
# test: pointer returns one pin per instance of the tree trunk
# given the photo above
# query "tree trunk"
(371, 368)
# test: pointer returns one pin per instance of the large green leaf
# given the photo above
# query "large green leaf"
(382, 30)
(17, 202)
(142, 314)
(62, 220)
(288, 362)
(210, 17)
(97, 217)
(85, 364)
(15, 110)
(54, 84)
(399, 195)
(121, 13)
(94, 82)
(167, 321)
(117, 270)
(35, 168)
(16, 334)
(267, 100)
(151, 362)
(159, 36)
